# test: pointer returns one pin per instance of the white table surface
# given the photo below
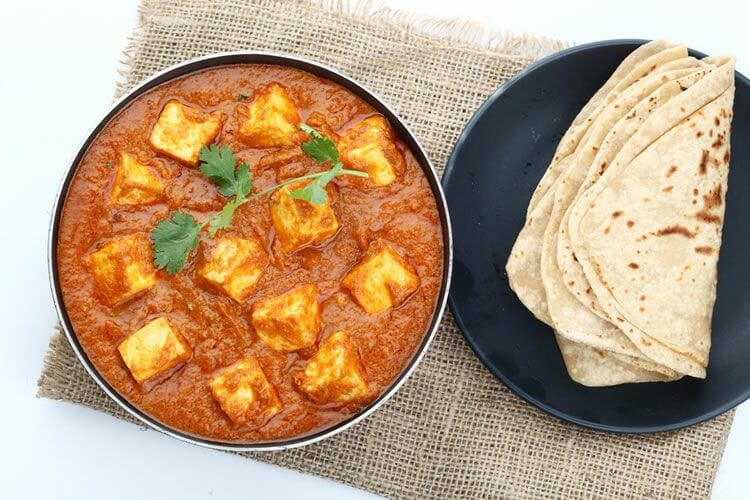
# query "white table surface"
(59, 62)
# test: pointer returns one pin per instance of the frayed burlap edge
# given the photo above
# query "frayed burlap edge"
(367, 458)
(461, 32)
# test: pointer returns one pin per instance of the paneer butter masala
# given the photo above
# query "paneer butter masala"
(290, 288)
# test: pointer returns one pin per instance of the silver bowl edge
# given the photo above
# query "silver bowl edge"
(321, 70)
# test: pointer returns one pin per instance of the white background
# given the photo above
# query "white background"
(59, 61)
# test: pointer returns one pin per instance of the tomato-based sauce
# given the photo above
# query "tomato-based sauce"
(217, 327)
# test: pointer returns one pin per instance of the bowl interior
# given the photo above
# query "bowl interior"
(317, 69)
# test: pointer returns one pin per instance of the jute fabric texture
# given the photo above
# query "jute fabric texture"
(452, 431)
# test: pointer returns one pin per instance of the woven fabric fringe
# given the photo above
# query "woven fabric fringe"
(452, 431)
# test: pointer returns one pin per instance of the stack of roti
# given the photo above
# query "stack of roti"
(621, 242)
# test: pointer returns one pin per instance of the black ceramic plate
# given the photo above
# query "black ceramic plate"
(497, 162)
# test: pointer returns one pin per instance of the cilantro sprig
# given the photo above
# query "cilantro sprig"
(321, 149)
(176, 237)
(173, 240)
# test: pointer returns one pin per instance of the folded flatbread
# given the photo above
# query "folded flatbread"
(567, 264)
(523, 266)
(647, 234)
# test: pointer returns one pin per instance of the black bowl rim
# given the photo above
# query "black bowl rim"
(238, 58)
(449, 171)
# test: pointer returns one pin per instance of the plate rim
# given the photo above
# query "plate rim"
(448, 173)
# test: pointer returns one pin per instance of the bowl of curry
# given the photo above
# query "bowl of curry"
(250, 251)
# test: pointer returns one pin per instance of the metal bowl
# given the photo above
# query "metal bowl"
(233, 58)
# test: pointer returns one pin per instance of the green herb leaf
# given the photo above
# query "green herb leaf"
(108, 164)
(173, 240)
(312, 193)
(218, 164)
(244, 180)
(319, 148)
(315, 191)
(223, 219)
(242, 97)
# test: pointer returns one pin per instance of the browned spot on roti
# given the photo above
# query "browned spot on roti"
(713, 198)
(723, 113)
(594, 148)
(703, 163)
(718, 142)
(575, 258)
(704, 250)
(675, 229)
(726, 156)
(683, 88)
(630, 223)
(671, 170)
(708, 217)
(646, 199)
(616, 214)
(682, 108)
(695, 191)
(571, 283)
(645, 342)
(599, 353)
(711, 132)
(588, 290)
(620, 319)
(699, 133)
(717, 122)
(633, 265)
(606, 230)
(684, 270)
(602, 168)
(642, 309)
(642, 297)
(667, 189)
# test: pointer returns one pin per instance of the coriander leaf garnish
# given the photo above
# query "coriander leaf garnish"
(223, 218)
(319, 148)
(242, 97)
(218, 164)
(173, 240)
(315, 191)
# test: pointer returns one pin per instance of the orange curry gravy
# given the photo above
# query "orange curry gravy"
(217, 327)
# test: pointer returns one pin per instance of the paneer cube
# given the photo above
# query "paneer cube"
(271, 120)
(299, 223)
(290, 321)
(181, 131)
(234, 265)
(122, 267)
(135, 183)
(154, 349)
(369, 146)
(245, 394)
(335, 373)
(381, 280)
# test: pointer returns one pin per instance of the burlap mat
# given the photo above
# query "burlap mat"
(452, 431)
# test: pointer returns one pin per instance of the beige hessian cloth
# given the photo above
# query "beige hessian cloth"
(452, 431)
